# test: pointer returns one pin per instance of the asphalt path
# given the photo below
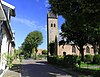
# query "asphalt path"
(38, 68)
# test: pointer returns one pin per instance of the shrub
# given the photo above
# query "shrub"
(60, 60)
(52, 59)
(70, 60)
(9, 58)
(96, 59)
(88, 58)
(67, 61)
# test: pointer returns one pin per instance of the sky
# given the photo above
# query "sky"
(30, 15)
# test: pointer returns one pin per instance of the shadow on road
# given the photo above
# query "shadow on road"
(39, 69)
(16, 68)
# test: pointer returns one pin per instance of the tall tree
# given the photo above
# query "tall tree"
(81, 16)
(33, 40)
(52, 48)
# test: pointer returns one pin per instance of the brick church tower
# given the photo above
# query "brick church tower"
(52, 28)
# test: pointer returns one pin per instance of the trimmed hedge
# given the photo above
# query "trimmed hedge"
(88, 58)
(52, 59)
(67, 61)
(70, 60)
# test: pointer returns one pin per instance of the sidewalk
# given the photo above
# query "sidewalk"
(15, 72)
(9, 73)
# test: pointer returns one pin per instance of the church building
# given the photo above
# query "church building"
(53, 36)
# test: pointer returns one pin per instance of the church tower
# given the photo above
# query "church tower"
(52, 27)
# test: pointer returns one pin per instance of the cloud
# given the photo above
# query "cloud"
(47, 4)
(31, 24)
(27, 22)
(44, 28)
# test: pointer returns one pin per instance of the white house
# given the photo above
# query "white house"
(7, 38)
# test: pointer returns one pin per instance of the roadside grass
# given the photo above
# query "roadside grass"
(83, 64)
(89, 66)
(93, 70)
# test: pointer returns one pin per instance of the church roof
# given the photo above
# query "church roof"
(2, 14)
(12, 8)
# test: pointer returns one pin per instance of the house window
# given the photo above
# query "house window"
(54, 25)
(87, 49)
(51, 25)
(73, 49)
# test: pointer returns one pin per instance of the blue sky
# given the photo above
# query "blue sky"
(30, 15)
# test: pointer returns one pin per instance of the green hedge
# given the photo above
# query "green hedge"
(52, 59)
(71, 60)
(88, 58)
(68, 61)
(96, 59)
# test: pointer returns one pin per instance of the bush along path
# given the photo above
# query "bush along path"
(90, 66)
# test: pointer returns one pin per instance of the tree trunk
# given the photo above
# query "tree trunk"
(82, 53)
(99, 49)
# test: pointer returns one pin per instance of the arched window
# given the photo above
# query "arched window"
(87, 49)
(54, 25)
(51, 25)
(64, 53)
(73, 49)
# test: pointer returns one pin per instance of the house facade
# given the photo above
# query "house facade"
(7, 38)
(53, 36)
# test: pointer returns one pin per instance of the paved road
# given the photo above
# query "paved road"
(31, 68)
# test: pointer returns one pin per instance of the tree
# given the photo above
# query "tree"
(44, 52)
(82, 20)
(77, 35)
(52, 48)
(32, 41)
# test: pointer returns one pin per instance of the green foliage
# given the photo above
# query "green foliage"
(9, 58)
(32, 41)
(52, 59)
(82, 21)
(71, 60)
(17, 55)
(41, 57)
(52, 48)
(60, 60)
(88, 58)
(96, 59)
(44, 52)
(21, 58)
(67, 61)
